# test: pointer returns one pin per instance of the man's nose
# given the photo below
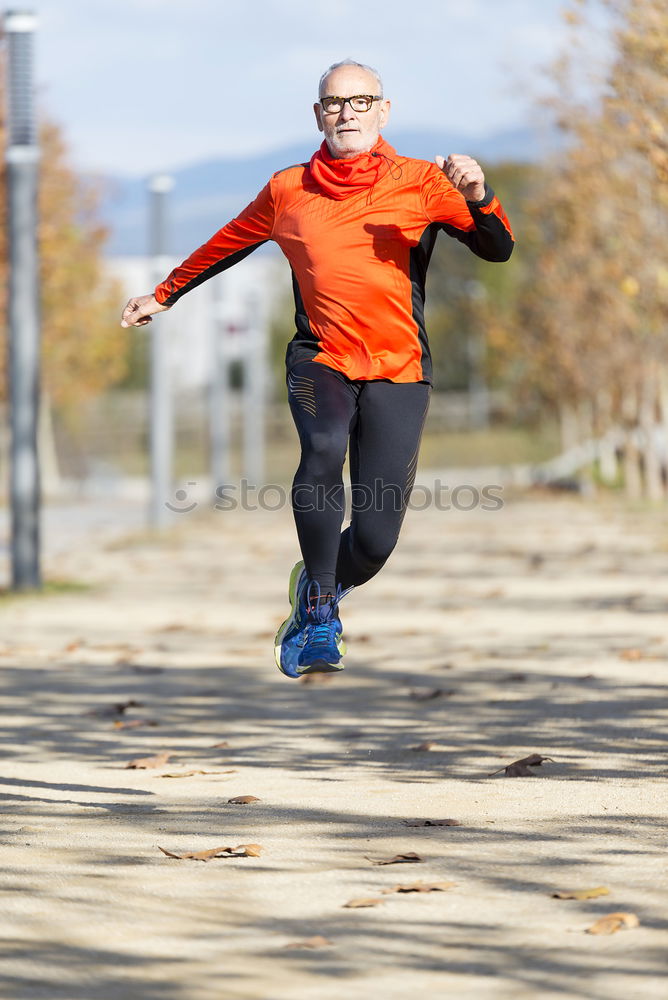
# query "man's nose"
(346, 112)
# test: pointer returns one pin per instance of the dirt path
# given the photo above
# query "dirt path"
(540, 628)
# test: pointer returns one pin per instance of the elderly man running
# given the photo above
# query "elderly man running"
(358, 225)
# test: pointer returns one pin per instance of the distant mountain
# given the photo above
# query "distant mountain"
(206, 195)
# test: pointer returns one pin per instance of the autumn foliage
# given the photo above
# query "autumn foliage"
(84, 349)
(588, 333)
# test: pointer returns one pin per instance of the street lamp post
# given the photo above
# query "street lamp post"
(161, 402)
(21, 156)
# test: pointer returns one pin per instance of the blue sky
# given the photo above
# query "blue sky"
(144, 85)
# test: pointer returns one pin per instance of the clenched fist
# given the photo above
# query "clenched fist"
(465, 173)
(138, 311)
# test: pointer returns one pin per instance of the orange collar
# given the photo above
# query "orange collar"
(341, 178)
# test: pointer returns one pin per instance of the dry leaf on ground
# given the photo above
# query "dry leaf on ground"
(632, 654)
(74, 645)
(594, 893)
(399, 859)
(242, 800)
(427, 745)
(419, 887)
(427, 693)
(134, 723)
(358, 904)
(159, 760)
(240, 851)
(613, 922)
(116, 709)
(223, 745)
(522, 768)
(317, 941)
(189, 774)
(432, 822)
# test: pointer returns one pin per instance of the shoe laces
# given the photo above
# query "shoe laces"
(323, 615)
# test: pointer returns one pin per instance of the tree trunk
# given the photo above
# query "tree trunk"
(652, 466)
(568, 426)
(631, 457)
(608, 466)
(49, 469)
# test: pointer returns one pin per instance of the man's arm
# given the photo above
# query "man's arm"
(228, 246)
(457, 197)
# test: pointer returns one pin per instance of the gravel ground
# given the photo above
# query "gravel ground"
(538, 628)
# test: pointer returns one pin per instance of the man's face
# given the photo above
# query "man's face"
(349, 132)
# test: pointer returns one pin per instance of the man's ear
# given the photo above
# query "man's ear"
(384, 113)
(317, 111)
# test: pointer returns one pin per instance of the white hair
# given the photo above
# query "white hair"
(351, 62)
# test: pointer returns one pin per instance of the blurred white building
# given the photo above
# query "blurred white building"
(221, 306)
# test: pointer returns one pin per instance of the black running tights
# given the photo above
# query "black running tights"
(382, 421)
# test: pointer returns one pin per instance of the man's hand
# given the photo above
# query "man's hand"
(138, 311)
(465, 173)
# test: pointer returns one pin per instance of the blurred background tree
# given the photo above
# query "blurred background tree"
(570, 333)
(575, 325)
(84, 350)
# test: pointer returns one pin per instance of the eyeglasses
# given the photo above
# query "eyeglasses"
(360, 102)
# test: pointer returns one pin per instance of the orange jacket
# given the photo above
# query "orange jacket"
(358, 235)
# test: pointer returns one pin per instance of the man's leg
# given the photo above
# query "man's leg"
(384, 450)
(323, 404)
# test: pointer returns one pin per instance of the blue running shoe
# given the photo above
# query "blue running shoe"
(286, 649)
(321, 641)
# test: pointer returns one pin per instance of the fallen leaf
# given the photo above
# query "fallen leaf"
(189, 774)
(74, 645)
(242, 800)
(522, 768)
(358, 904)
(600, 890)
(223, 745)
(432, 822)
(427, 745)
(117, 709)
(427, 693)
(631, 654)
(399, 859)
(159, 760)
(241, 851)
(614, 922)
(420, 887)
(134, 723)
(318, 941)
